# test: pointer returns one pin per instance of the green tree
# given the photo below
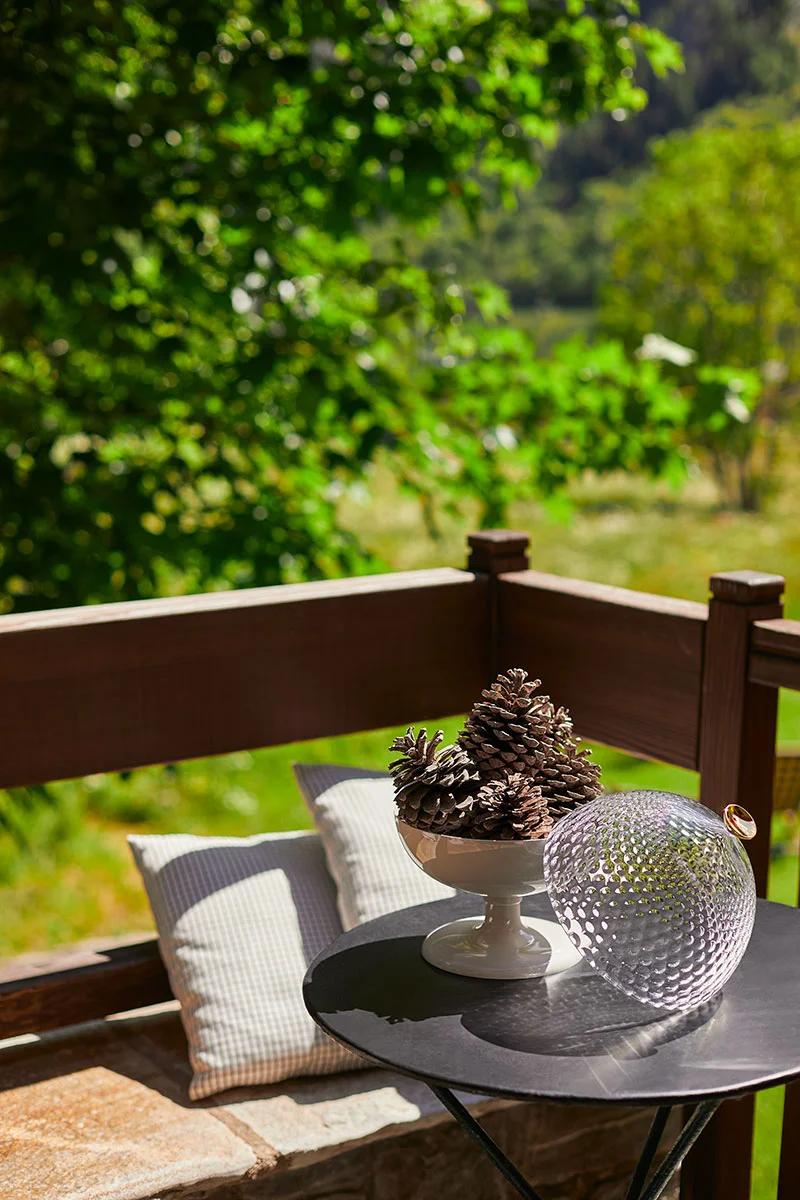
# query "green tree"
(199, 345)
(730, 49)
(544, 253)
(553, 249)
(708, 256)
(519, 424)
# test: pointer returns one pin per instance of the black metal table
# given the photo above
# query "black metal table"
(571, 1037)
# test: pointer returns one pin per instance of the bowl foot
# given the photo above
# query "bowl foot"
(470, 947)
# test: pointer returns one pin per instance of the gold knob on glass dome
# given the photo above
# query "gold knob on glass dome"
(739, 822)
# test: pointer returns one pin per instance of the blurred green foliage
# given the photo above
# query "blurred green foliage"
(520, 425)
(199, 345)
(541, 251)
(554, 247)
(730, 49)
(707, 254)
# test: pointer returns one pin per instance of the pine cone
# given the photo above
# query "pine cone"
(563, 734)
(509, 809)
(432, 783)
(568, 778)
(510, 729)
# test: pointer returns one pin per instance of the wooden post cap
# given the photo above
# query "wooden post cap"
(497, 550)
(747, 587)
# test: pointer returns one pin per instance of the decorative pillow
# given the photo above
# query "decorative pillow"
(239, 920)
(354, 811)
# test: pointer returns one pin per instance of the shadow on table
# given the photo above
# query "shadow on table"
(574, 1014)
(392, 980)
(581, 1015)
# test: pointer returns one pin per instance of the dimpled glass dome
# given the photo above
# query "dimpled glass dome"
(656, 893)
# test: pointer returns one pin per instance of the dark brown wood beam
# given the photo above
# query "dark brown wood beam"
(774, 672)
(627, 664)
(775, 654)
(491, 553)
(117, 686)
(85, 986)
(781, 637)
(739, 717)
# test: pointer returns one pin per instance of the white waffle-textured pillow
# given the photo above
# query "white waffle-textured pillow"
(239, 920)
(354, 811)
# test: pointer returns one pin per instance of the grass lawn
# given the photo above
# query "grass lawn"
(74, 879)
(624, 531)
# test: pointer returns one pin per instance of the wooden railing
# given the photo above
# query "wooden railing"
(118, 686)
(628, 665)
(775, 654)
(127, 685)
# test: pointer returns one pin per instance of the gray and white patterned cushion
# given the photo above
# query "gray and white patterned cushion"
(239, 920)
(354, 811)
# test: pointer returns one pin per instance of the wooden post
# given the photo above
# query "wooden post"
(737, 762)
(493, 552)
(738, 722)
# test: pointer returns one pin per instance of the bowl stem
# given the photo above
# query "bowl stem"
(502, 926)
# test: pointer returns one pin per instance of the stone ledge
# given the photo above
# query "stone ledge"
(569, 1154)
(102, 1113)
(307, 1121)
(92, 1119)
(303, 1121)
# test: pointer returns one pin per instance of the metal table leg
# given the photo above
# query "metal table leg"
(489, 1147)
(639, 1188)
(686, 1139)
(648, 1154)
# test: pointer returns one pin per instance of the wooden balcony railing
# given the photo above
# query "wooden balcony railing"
(127, 685)
(118, 686)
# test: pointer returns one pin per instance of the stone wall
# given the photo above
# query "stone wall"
(567, 1153)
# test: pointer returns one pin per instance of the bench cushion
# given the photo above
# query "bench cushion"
(354, 811)
(239, 920)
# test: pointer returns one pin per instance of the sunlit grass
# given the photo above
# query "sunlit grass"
(624, 530)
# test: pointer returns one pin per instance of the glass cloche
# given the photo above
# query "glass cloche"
(656, 891)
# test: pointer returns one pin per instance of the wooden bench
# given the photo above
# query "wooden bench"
(102, 1113)
(101, 1110)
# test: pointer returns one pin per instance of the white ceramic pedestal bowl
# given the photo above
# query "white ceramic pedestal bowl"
(502, 944)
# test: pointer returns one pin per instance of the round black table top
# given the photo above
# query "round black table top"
(571, 1037)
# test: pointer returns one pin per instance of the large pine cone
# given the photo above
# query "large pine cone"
(510, 728)
(432, 783)
(568, 778)
(511, 809)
